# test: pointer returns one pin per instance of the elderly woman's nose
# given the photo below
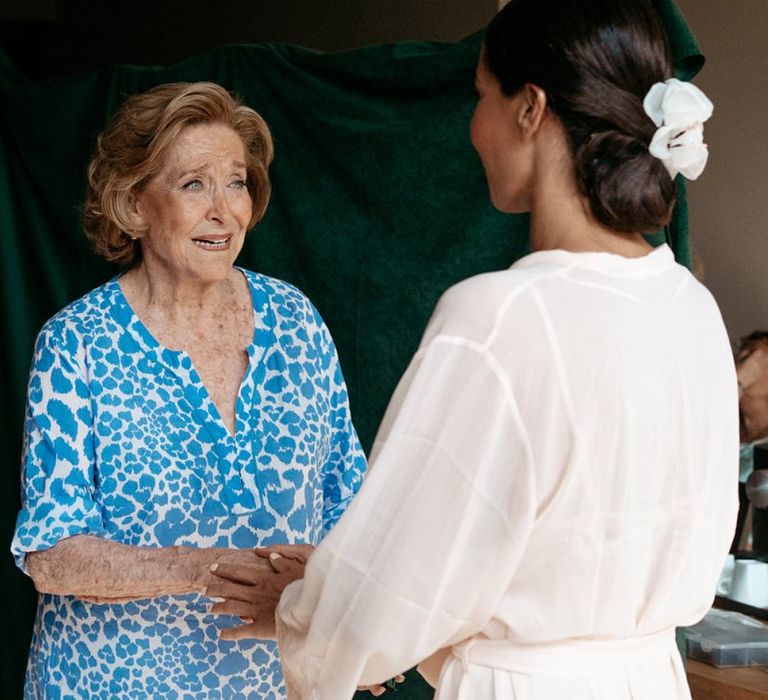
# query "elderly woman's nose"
(220, 205)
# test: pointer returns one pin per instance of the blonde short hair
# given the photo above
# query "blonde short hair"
(135, 144)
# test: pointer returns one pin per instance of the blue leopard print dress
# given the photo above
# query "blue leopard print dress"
(122, 441)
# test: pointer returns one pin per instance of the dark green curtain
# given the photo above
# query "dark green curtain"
(379, 204)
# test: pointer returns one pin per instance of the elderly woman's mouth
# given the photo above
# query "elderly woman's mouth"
(213, 242)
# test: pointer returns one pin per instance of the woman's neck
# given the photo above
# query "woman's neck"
(567, 225)
(153, 292)
(561, 219)
(560, 216)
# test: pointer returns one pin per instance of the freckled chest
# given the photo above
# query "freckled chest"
(216, 341)
(219, 356)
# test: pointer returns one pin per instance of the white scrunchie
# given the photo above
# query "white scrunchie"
(679, 109)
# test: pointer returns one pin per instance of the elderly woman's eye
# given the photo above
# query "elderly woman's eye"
(192, 185)
(239, 184)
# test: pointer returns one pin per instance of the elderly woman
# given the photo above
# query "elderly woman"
(178, 416)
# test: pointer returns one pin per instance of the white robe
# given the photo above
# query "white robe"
(555, 481)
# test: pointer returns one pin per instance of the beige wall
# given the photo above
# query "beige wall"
(729, 203)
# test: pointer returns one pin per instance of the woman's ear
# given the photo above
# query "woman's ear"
(533, 107)
(134, 213)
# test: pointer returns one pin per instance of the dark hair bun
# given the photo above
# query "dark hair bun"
(628, 189)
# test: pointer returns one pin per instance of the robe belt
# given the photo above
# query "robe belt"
(569, 658)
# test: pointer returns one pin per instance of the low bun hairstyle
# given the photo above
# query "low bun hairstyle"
(595, 60)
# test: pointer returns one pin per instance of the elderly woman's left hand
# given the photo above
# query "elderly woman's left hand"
(252, 594)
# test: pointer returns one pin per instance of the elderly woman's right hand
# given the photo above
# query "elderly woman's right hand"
(252, 593)
(296, 552)
(239, 559)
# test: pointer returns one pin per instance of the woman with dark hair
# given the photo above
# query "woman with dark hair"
(553, 488)
(178, 416)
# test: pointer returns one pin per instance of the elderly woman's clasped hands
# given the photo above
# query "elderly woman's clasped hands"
(243, 589)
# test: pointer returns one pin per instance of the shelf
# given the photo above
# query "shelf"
(710, 683)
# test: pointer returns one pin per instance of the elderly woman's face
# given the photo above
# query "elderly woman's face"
(197, 208)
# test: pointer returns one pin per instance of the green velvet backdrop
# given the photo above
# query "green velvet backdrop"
(379, 205)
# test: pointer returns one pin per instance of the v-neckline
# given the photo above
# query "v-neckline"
(174, 359)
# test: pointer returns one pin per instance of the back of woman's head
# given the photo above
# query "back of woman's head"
(595, 60)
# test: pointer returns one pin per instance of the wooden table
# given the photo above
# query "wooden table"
(710, 683)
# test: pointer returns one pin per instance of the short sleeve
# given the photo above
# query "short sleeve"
(57, 480)
(343, 470)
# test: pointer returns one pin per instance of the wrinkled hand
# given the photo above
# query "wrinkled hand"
(234, 557)
(251, 592)
(296, 552)
(752, 373)
(380, 689)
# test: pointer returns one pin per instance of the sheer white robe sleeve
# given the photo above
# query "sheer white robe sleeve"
(428, 547)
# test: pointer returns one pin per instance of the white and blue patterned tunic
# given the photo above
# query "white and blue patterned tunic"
(122, 441)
